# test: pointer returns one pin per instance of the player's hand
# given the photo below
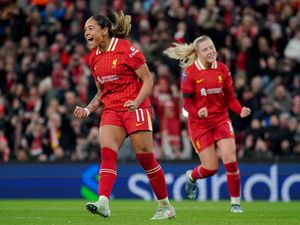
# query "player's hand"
(131, 105)
(80, 112)
(245, 112)
(203, 113)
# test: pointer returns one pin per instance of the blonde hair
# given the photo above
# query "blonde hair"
(121, 24)
(185, 53)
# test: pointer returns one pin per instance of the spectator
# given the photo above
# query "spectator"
(292, 49)
(39, 42)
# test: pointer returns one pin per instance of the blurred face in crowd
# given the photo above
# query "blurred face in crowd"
(206, 52)
(94, 34)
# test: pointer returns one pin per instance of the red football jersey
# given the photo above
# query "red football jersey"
(114, 70)
(208, 87)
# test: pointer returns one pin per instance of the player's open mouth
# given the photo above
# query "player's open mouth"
(90, 40)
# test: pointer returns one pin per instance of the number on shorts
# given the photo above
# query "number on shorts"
(139, 115)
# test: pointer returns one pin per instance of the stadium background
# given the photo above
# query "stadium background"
(44, 74)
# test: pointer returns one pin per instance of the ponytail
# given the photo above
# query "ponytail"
(185, 53)
(118, 24)
(121, 24)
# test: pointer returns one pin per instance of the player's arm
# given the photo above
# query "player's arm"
(95, 104)
(188, 104)
(96, 101)
(232, 101)
(143, 73)
(187, 88)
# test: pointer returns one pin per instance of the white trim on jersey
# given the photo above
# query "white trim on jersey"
(115, 44)
(200, 66)
(214, 66)
(112, 44)
(98, 51)
(111, 47)
(197, 64)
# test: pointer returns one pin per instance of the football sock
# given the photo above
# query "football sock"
(164, 202)
(235, 201)
(103, 200)
(108, 171)
(233, 180)
(200, 172)
(155, 174)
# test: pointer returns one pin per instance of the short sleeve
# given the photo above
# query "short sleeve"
(91, 62)
(227, 76)
(134, 57)
(187, 85)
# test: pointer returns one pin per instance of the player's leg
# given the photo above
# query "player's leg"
(138, 125)
(142, 143)
(208, 167)
(203, 143)
(228, 154)
(111, 138)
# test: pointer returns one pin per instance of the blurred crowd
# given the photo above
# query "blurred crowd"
(44, 74)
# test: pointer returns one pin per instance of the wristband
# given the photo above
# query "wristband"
(88, 112)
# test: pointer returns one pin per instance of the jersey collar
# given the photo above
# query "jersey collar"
(111, 47)
(200, 66)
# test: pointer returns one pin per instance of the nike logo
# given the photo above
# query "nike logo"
(199, 81)
(139, 124)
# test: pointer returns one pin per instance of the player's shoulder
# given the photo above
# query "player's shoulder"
(129, 49)
(189, 70)
(223, 67)
(191, 67)
(123, 45)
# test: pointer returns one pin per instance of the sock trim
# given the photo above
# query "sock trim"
(108, 171)
(154, 170)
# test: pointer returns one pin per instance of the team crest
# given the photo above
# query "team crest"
(220, 78)
(114, 63)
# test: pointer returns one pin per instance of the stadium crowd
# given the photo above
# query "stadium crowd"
(44, 74)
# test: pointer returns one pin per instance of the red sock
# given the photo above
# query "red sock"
(155, 174)
(108, 171)
(200, 172)
(233, 179)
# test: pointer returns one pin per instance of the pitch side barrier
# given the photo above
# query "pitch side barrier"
(260, 181)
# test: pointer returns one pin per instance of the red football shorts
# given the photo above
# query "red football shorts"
(140, 119)
(204, 136)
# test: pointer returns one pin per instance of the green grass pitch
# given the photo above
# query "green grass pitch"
(138, 212)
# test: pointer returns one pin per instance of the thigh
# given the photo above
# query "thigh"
(112, 137)
(227, 149)
(202, 139)
(142, 141)
(223, 130)
(209, 157)
(112, 133)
